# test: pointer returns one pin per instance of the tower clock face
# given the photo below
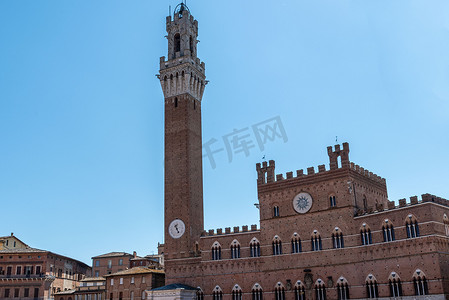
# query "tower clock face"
(176, 228)
(302, 203)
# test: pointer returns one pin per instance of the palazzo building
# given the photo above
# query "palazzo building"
(30, 273)
(325, 233)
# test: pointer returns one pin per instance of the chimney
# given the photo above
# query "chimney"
(135, 254)
(12, 233)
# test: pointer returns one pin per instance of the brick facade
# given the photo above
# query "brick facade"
(110, 263)
(132, 283)
(31, 273)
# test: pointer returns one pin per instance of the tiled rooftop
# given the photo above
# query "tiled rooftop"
(113, 254)
(136, 270)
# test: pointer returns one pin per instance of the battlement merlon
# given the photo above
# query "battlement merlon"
(342, 153)
(266, 172)
(390, 205)
(186, 17)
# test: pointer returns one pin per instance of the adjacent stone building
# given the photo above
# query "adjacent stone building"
(110, 263)
(131, 284)
(326, 233)
(32, 273)
(90, 288)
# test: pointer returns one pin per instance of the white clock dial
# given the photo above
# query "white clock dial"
(302, 203)
(176, 228)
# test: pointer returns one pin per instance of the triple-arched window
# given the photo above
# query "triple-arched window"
(254, 248)
(342, 289)
(316, 241)
(411, 226)
(420, 283)
(236, 292)
(337, 238)
(372, 290)
(394, 283)
(365, 234)
(216, 251)
(300, 291)
(199, 294)
(277, 245)
(320, 290)
(388, 231)
(279, 291)
(296, 243)
(257, 292)
(217, 293)
(235, 249)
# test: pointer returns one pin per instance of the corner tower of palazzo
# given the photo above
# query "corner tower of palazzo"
(182, 77)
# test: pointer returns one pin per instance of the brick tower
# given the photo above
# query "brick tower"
(182, 77)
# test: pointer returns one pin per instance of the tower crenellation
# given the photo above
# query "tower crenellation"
(182, 72)
(266, 171)
(335, 154)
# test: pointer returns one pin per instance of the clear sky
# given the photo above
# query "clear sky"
(81, 111)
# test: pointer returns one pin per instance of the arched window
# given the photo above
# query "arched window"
(275, 211)
(446, 224)
(254, 248)
(332, 202)
(320, 290)
(235, 249)
(372, 290)
(388, 231)
(191, 44)
(411, 226)
(177, 42)
(394, 282)
(296, 243)
(216, 251)
(316, 241)
(420, 283)
(300, 291)
(277, 245)
(199, 294)
(337, 239)
(365, 234)
(279, 291)
(257, 292)
(342, 289)
(236, 293)
(217, 293)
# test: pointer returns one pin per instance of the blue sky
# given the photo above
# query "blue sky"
(81, 111)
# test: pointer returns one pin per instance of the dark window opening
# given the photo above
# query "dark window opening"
(366, 237)
(276, 211)
(177, 42)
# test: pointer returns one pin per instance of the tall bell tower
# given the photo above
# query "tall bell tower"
(182, 77)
